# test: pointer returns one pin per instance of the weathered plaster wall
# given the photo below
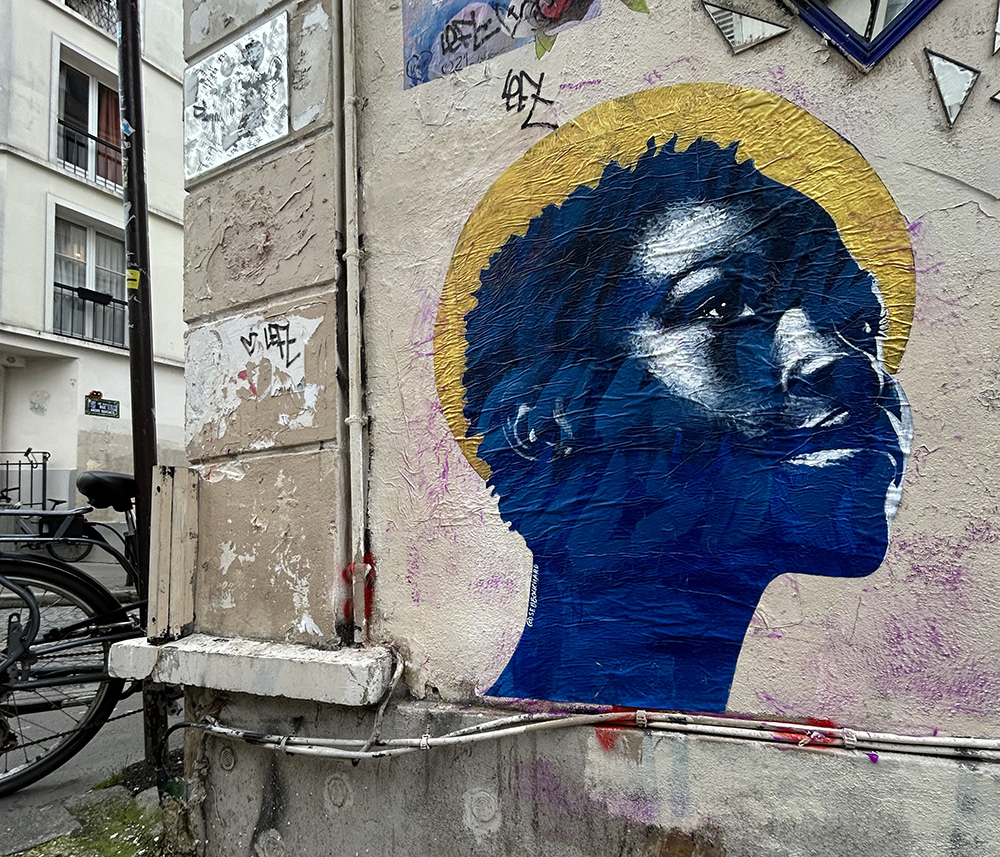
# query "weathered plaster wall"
(273, 569)
(908, 647)
(264, 379)
(43, 403)
(579, 792)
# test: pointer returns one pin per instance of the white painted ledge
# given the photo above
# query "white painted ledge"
(340, 677)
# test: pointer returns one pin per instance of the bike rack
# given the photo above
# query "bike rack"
(24, 473)
(24, 480)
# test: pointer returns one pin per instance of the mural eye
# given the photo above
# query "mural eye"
(862, 327)
(719, 308)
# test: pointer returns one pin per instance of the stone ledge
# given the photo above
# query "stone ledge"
(340, 677)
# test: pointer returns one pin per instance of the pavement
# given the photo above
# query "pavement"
(39, 813)
(108, 573)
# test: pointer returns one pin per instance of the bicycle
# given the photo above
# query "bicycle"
(24, 486)
(55, 689)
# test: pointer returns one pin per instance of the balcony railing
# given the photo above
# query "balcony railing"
(87, 314)
(103, 13)
(90, 157)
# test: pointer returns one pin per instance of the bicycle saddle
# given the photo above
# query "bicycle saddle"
(103, 489)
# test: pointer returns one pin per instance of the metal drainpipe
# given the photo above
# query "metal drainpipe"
(352, 257)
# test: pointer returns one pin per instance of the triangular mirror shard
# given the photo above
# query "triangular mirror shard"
(954, 82)
(996, 97)
(742, 31)
(996, 38)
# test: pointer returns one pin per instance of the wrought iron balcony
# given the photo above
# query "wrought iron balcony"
(103, 13)
(87, 314)
(90, 157)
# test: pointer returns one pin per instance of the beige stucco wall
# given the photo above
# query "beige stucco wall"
(908, 647)
(265, 424)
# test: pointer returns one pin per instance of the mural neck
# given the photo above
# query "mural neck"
(592, 638)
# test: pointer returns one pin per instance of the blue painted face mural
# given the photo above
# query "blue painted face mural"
(678, 380)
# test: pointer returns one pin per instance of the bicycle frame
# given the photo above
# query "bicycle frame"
(21, 635)
(125, 557)
(55, 664)
(22, 640)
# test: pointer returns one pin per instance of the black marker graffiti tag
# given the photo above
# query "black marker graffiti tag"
(459, 33)
(273, 335)
(511, 16)
(519, 90)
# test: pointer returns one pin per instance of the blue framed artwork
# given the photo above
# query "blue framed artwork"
(864, 32)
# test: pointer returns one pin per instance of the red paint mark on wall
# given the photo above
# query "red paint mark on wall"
(607, 736)
(242, 375)
(347, 575)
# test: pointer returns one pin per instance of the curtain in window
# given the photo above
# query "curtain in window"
(109, 277)
(109, 134)
(109, 266)
(69, 312)
(71, 254)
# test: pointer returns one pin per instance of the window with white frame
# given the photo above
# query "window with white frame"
(88, 283)
(89, 125)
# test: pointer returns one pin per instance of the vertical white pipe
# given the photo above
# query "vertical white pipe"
(352, 257)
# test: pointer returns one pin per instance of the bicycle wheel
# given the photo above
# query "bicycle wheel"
(70, 551)
(56, 697)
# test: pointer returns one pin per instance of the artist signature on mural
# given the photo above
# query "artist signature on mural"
(521, 92)
(533, 599)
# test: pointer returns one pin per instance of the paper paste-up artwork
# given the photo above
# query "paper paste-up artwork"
(444, 37)
(236, 100)
(666, 340)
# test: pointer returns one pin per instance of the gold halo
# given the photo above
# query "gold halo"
(785, 142)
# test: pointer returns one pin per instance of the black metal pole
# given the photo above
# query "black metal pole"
(140, 333)
(140, 328)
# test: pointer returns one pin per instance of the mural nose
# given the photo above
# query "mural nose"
(801, 355)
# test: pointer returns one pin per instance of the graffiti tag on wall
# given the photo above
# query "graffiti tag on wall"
(523, 94)
(249, 359)
(675, 372)
(236, 100)
(274, 336)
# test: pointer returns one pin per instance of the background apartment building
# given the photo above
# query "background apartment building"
(63, 318)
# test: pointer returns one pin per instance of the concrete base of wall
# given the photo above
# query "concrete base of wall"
(340, 676)
(570, 792)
